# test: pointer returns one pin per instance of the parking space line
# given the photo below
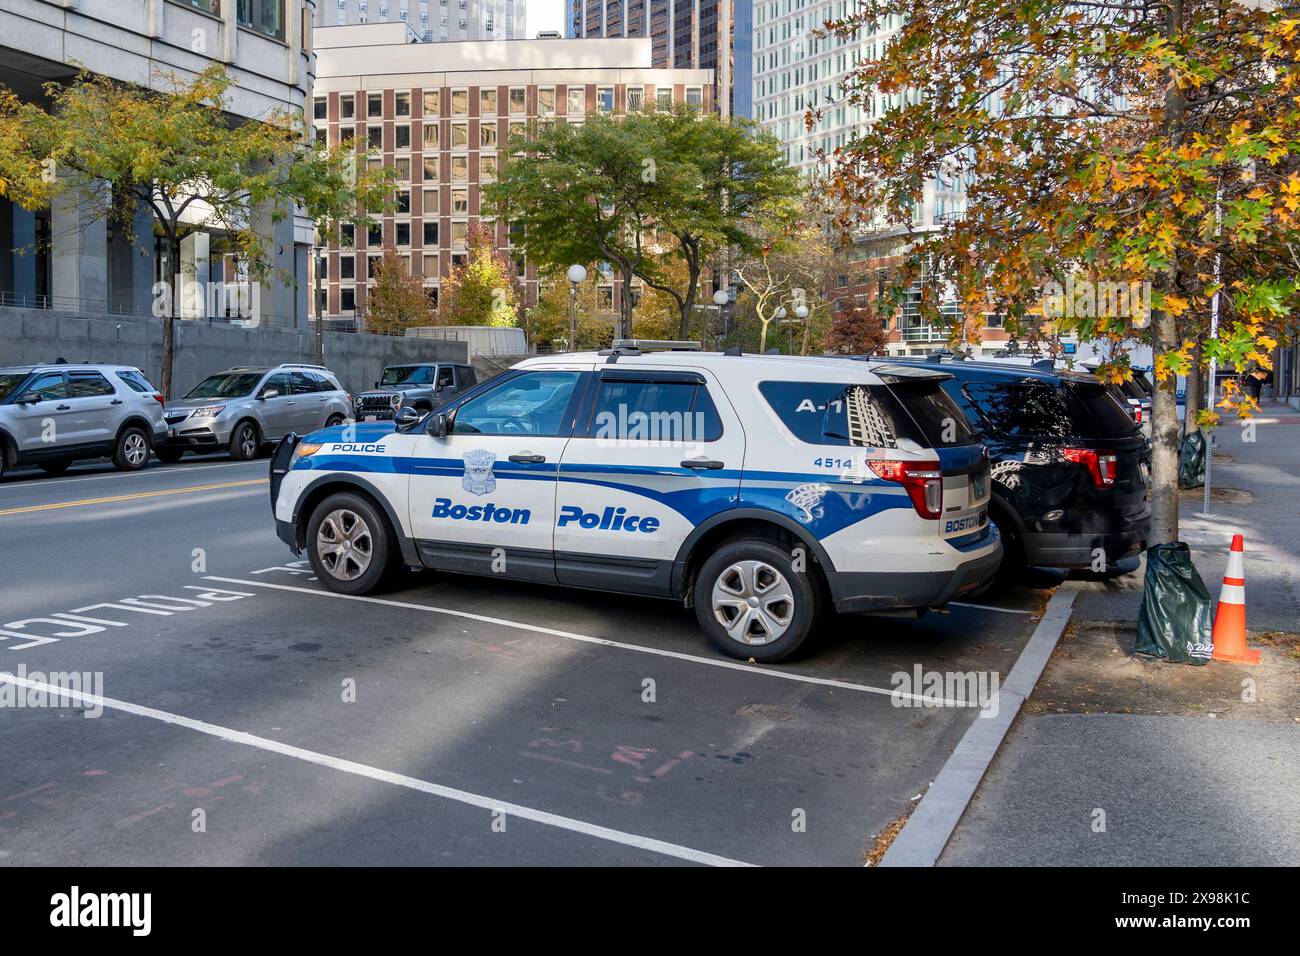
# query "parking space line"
(83, 502)
(990, 607)
(605, 642)
(387, 776)
(38, 480)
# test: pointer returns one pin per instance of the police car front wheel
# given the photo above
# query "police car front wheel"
(349, 544)
(752, 602)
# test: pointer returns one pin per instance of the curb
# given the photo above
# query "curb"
(931, 825)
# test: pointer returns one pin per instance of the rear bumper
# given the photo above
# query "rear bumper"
(1078, 550)
(857, 591)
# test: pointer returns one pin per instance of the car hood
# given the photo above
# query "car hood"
(390, 389)
(184, 404)
(358, 433)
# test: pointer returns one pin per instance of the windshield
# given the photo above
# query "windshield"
(9, 381)
(407, 375)
(226, 385)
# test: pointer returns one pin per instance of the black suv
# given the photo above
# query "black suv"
(1071, 471)
(419, 385)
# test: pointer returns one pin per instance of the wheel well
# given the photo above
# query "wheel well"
(319, 493)
(257, 429)
(135, 422)
(735, 529)
(8, 451)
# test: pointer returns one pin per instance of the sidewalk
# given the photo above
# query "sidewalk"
(1117, 760)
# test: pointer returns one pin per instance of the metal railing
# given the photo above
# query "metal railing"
(99, 308)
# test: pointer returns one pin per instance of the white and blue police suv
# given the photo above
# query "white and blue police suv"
(758, 489)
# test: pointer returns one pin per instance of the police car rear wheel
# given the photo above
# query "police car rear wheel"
(751, 601)
(350, 544)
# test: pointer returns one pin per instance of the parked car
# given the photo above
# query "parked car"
(53, 415)
(422, 386)
(245, 408)
(759, 489)
(1071, 471)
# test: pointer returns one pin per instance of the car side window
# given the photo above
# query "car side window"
(279, 382)
(135, 381)
(303, 383)
(650, 410)
(466, 377)
(88, 385)
(445, 377)
(533, 403)
(49, 385)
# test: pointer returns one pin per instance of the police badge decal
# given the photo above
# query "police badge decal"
(478, 479)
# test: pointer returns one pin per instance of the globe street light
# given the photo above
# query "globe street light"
(577, 276)
(801, 313)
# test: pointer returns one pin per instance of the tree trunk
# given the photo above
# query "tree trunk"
(1194, 394)
(688, 303)
(169, 322)
(625, 306)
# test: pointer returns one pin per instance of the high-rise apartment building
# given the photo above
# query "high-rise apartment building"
(684, 34)
(433, 20)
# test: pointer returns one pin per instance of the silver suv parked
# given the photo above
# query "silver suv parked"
(53, 415)
(244, 408)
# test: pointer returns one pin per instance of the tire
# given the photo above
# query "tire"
(245, 442)
(55, 468)
(169, 455)
(1013, 566)
(350, 544)
(334, 420)
(749, 574)
(131, 453)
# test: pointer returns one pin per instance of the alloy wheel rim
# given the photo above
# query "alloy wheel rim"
(135, 449)
(344, 544)
(753, 602)
(247, 444)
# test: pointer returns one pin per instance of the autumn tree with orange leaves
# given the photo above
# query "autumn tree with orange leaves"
(1145, 144)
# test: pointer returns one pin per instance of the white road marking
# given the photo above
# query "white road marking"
(388, 776)
(33, 482)
(756, 669)
(990, 607)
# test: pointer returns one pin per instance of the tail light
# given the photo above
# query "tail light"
(1102, 467)
(157, 397)
(922, 479)
(1137, 414)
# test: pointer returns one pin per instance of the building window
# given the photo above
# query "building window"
(459, 169)
(487, 102)
(264, 16)
(460, 102)
(347, 107)
(372, 266)
(375, 137)
(460, 202)
(375, 104)
(430, 135)
(375, 234)
(403, 233)
(459, 135)
(605, 98)
(404, 202)
(430, 102)
(430, 234)
(487, 135)
(694, 96)
(431, 269)
(347, 300)
(546, 102)
(664, 99)
(430, 170)
(347, 235)
(347, 267)
(430, 207)
(487, 168)
(459, 234)
(320, 106)
(402, 104)
(577, 99)
(635, 98)
(518, 100)
(402, 135)
(403, 166)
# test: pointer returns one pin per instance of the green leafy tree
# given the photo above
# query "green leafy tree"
(548, 322)
(177, 154)
(398, 299)
(1139, 145)
(639, 191)
(483, 290)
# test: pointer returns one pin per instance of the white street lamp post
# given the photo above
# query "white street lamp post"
(577, 276)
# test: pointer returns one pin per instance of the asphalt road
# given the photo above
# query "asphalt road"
(253, 718)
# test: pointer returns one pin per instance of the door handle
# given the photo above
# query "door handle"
(116, 401)
(528, 459)
(702, 464)
(61, 408)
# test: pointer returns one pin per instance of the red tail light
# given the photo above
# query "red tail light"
(1102, 467)
(1137, 415)
(922, 479)
(157, 397)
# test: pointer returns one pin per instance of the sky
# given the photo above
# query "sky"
(545, 15)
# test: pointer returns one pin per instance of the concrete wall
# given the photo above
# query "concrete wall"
(28, 336)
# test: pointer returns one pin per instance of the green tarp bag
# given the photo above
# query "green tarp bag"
(1176, 616)
(1191, 460)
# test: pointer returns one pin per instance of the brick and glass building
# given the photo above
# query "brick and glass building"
(441, 114)
(433, 20)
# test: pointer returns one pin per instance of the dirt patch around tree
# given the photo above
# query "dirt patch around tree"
(1094, 671)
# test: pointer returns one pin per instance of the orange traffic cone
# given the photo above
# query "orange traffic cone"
(1230, 617)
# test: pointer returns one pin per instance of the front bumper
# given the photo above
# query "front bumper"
(204, 434)
(858, 591)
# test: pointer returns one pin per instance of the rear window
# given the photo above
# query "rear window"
(135, 381)
(1048, 410)
(869, 416)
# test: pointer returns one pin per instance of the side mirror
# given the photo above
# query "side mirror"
(266, 393)
(406, 417)
(28, 398)
(376, 384)
(439, 425)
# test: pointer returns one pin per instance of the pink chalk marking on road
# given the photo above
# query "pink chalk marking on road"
(568, 763)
